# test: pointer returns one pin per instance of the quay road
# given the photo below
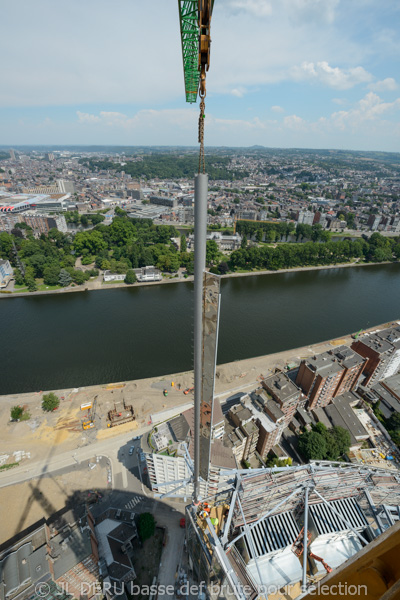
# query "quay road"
(108, 448)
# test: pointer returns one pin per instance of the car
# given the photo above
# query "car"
(136, 438)
(131, 450)
(142, 457)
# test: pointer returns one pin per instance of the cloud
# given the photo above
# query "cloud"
(340, 101)
(370, 108)
(238, 92)
(314, 10)
(294, 122)
(341, 79)
(257, 8)
(277, 109)
(388, 84)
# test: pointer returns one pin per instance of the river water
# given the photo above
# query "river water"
(78, 339)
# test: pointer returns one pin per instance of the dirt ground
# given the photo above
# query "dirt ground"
(62, 430)
(43, 497)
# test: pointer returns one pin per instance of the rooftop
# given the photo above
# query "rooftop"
(393, 384)
(281, 387)
(324, 364)
(347, 356)
(376, 343)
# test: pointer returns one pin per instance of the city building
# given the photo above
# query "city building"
(305, 217)
(285, 393)
(60, 553)
(382, 351)
(319, 378)
(109, 276)
(269, 420)
(353, 365)
(6, 273)
(245, 428)
(186, 214)
(169, 449)
(341, 414)
(224, 242)
(164, 201)
(115, 532)
(149, 273)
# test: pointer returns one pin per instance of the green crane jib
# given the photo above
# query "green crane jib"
(195, 17)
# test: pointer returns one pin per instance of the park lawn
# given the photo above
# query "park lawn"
(42, 287)
(111, 282)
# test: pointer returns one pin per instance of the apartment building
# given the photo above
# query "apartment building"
(285, 393)
(353, 365)
(319, 378)
(382, 351)
(243, 419)
(270, 423)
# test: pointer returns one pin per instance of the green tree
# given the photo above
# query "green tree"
(312, 445)
(146, 526)
(223, 268)
(64, 278)
(212, 252)
(5, 245)
(243, 243)
(19, 280)
(16, 412)
(51, 274)
(183, 243)
(342, 439)
(130, 277)
(50, 402)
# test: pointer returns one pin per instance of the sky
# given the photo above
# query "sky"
(284, 73)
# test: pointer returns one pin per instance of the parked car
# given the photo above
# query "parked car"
(131, 450)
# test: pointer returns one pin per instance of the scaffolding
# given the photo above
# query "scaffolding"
(338, 506)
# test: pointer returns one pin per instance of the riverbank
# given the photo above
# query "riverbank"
(100, 285)
(61, 431)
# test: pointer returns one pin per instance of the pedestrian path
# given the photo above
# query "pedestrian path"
(134, 501)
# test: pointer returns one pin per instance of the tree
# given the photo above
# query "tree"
(16, 412)
(183, 243)
(51, 274)
(312, 445)
(50, 402)
(31, 284)
(212, 252)
(223, 267)
(146, 526)
(243, 243)
(64, 278)
(19, 280)
(342, 439)
(130, 277)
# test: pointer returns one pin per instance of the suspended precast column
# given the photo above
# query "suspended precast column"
(200, 239)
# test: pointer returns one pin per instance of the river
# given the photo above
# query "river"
(72, 340)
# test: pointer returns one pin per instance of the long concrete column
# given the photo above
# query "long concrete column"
(200, 237)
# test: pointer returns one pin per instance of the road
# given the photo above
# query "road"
(109, 448)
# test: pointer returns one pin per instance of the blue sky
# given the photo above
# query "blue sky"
(284, 73)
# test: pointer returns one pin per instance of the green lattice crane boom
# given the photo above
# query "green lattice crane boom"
(195, 18)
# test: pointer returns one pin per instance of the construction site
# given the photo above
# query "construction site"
(269, 533)
(276, 532)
